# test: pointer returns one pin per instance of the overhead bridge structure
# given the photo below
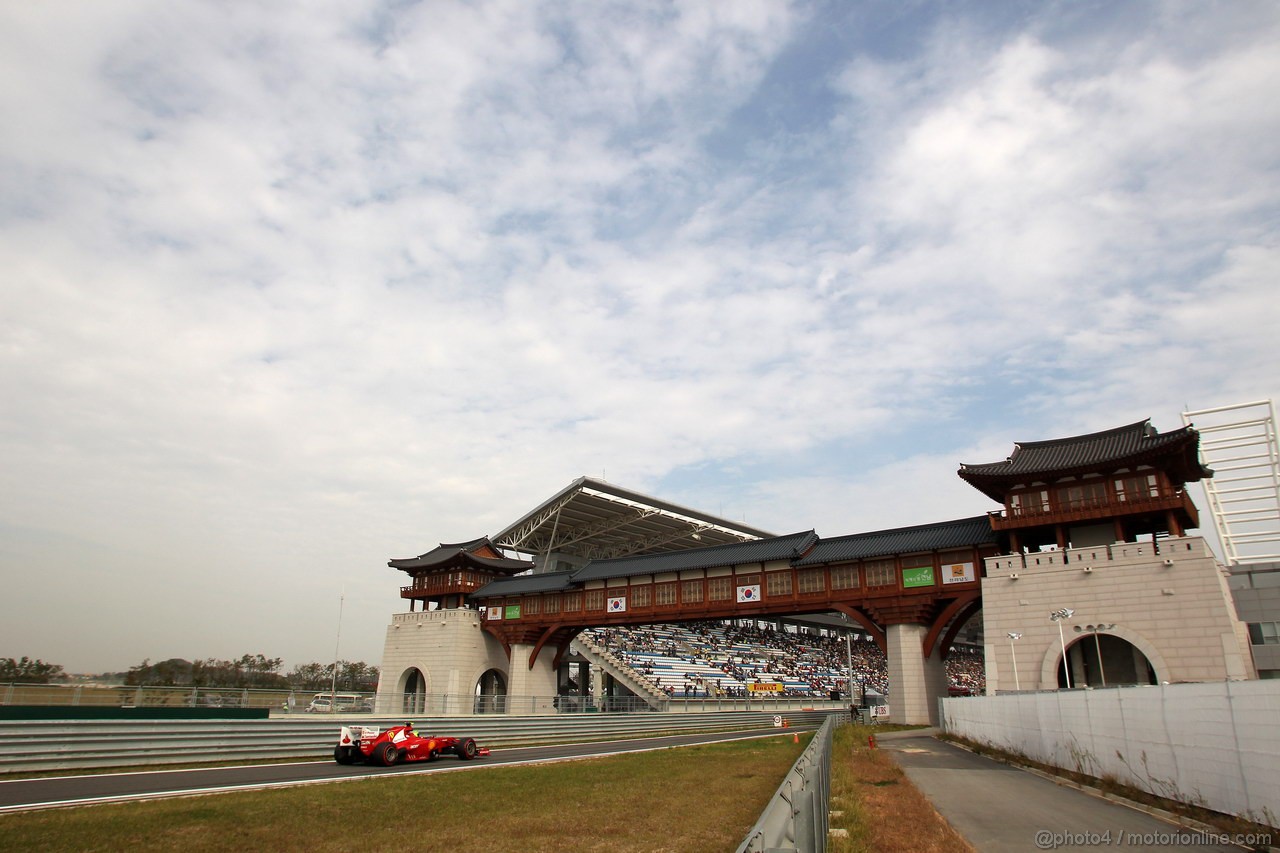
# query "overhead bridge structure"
(535, 616)
(1090, 542)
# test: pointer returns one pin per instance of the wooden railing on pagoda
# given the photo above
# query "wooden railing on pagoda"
(1085, 510)
(445, 583)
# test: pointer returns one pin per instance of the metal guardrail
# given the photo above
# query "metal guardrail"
(284, 701)
(75, 744)
(796, 819)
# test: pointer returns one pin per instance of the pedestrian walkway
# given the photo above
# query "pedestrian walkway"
(996, 807)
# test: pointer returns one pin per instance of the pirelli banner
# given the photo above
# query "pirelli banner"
(764, 688)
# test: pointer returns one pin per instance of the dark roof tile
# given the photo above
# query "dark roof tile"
(523, 584)
(962, 533)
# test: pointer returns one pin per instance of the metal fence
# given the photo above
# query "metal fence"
(154, 696)
(357, 702)
(75, 744)
(797, 817)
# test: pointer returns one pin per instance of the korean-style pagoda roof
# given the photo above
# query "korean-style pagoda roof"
(962, 533)
(474, 554)
(1176, 453)
(756, 551)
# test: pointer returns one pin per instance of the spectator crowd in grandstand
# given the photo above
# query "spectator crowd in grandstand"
(703, 659)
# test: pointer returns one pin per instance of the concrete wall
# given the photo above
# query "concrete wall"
(1216, 745)
(446, 645)
(536, 683)
(1170, 603)
(916, 682)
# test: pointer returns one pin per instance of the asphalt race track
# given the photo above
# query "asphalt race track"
(65, 791)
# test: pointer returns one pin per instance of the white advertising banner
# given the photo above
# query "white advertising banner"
(958, 573)
(495, 612)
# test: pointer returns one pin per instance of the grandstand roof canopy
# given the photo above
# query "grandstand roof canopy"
(592, 520)
(757, 551)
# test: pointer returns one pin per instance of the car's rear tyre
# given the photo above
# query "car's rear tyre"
(467, 750)
(388, 755)
(342, 755)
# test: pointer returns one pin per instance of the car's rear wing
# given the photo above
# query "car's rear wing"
(355, 734)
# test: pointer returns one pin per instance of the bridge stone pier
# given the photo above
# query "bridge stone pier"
(917, 682)
(536, 683)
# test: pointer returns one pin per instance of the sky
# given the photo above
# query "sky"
(290, 290)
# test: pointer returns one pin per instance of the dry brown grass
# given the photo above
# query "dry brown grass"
(880, 809)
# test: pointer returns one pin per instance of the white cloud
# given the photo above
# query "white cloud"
(289, 296)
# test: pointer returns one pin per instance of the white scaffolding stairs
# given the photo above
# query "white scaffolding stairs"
(623, 673)
(1239, 443)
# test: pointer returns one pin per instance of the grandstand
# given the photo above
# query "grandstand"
(726, 659)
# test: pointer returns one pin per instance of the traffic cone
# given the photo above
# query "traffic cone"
(796, 737)
(871, 741)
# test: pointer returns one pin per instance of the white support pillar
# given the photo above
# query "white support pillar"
(915, 684)
(531, 691)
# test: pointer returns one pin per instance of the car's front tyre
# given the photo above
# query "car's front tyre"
(467, 750)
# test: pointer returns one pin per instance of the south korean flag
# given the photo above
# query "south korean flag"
(748, 593)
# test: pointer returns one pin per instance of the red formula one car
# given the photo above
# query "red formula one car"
(398, 744)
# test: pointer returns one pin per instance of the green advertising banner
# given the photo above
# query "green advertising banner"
(513, 611)
(922, 576)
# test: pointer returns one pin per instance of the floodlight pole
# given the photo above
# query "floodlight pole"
(1097, 646)
(848, 652)
(1058, 616)
(333, 684)
(1014, 635)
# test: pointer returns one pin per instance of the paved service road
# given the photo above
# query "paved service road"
(62, 791)
(997, 807)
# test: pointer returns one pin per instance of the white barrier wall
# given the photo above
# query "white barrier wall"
(1216, 745)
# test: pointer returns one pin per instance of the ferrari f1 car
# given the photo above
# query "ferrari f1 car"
(399, 744)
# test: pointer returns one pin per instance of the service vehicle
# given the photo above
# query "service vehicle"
(324, 703)
(399, 744)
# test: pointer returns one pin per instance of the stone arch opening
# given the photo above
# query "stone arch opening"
(1105, 660)
(413, 691)
(491, 693)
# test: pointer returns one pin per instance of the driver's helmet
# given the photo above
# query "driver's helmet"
(408, 728)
